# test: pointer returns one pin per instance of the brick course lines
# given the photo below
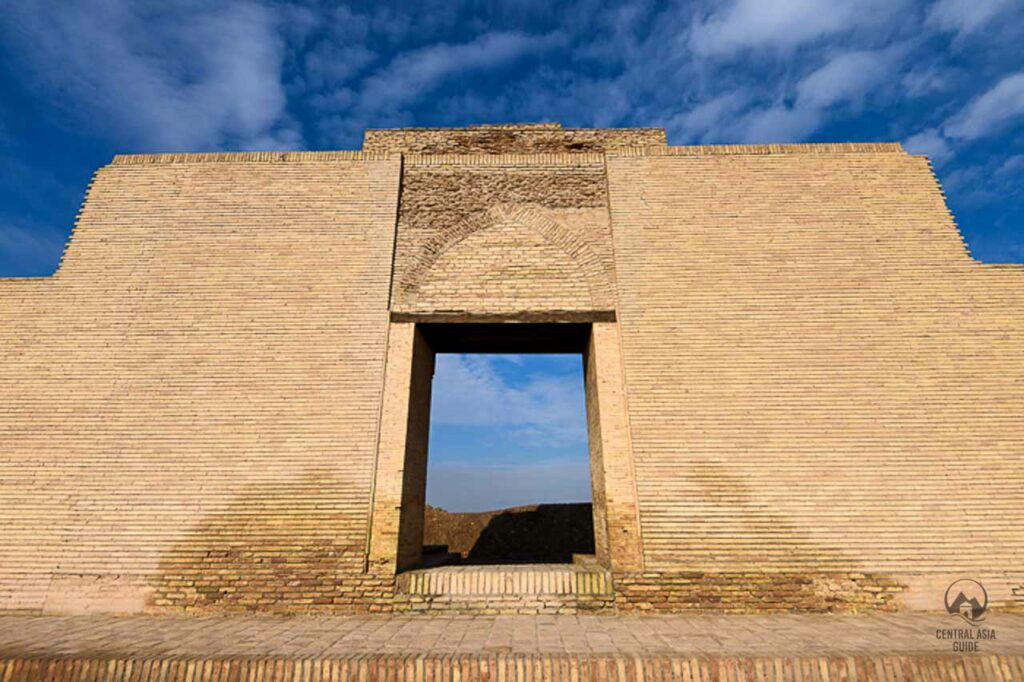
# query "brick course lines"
(486, 667)
(528, 234)
(808, 395)
(325, 636)
(190, 404)
(820, 378)
(522, 139)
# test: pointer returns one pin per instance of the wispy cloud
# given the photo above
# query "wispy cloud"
(781, 24)
(965, 16)
(384, 96)
(471, 391)
(158, 77)
(992, 112)
(848, 77)
(414, 74)
(989, 114)
(931, 143)
(845, 80)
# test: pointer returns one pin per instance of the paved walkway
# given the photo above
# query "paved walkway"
(680, 635)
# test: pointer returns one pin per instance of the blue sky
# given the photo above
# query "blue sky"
(82, 80)
(507, 430)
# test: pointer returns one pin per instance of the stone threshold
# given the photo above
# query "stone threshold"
(507, 580)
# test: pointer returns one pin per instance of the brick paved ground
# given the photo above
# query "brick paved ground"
(701, 635)
(777, 648)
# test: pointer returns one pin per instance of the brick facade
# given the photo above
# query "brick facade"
(803, 392)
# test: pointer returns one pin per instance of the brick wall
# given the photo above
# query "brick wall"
(817, 389)
(503, 235)
(509, 139)
(821, 381)
(189, 406)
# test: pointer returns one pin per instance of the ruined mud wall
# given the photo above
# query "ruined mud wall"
(825, 389)
(188, 408)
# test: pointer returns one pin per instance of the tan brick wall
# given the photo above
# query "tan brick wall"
(504, 234)
(616, 515)
(188, 408)
(818, 390)
(509, 139)
(820, 380)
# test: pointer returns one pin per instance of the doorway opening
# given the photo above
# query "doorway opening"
(508, 466)
(501, 465)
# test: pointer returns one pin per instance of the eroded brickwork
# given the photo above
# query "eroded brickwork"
(756, 592)
(504, 235)
(549, 138)
(516, 589)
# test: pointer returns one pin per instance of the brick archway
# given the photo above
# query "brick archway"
(598, 278)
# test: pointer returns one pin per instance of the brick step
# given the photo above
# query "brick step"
(505, 580)
(522, 589)
(513, 667)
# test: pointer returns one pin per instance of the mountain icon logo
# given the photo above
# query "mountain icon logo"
(968, 599)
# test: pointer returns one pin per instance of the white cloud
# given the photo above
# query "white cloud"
(999, 179)
(919, 82)
(989, 114)
(329, 64)
(193, 76)
(992, 112)
(476, 487)
(469, 391)
(1011, 169)
(779, 124)
(782, 24)
(707, 119)
(846, 77)
(964, 16)
(929, 142)
(411, 75)
(385, 96)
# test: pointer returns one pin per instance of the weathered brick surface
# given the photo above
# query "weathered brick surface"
(820, 379)
(189, 406)
(804, 393)
(506, 234)
(757, 592)
(509, 139)
(704, 648)
(487, 666)
(515, 589)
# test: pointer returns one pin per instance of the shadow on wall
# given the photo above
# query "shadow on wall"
(774, 560)
(537, 534)
(291, 544)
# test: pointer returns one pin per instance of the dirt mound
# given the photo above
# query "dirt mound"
(544, 533)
